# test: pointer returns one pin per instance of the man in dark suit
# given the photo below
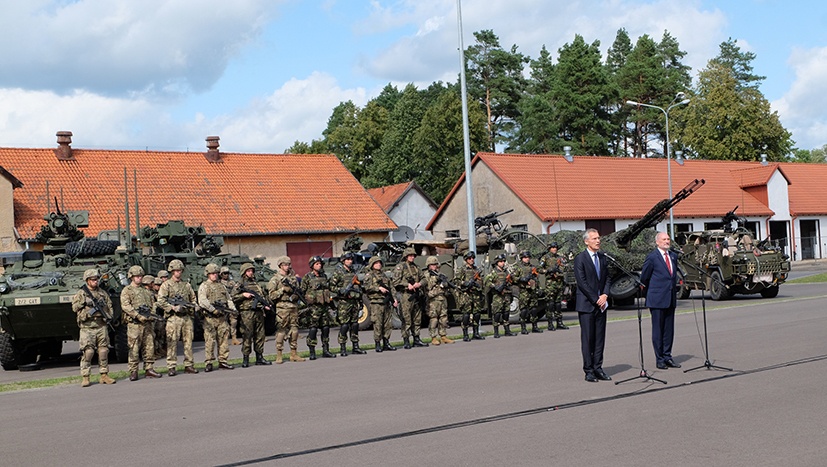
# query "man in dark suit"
(592, 275)
(659, 275)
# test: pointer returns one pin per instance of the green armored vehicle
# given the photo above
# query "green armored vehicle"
(734, 262)
(36, 291)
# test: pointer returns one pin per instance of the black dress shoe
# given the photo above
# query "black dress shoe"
(591, 378)
(602, 376)
(671, 364)
(662, 366)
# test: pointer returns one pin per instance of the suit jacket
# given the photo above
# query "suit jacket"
(660, 285)
(589, 286)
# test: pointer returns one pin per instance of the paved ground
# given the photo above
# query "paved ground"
(518, 400)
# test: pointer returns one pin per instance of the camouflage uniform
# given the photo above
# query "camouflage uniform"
(94, 334)
(380, 304)
(160, 329)
(470, 299)
(316, 289)
(526, 275)
(407, 274)
(252, 317)
(552, 264)
(179, 319)
(498, 281)
(282, 290)
(140, 330)
(437, 305)
(347, 289)
(212, 297)
(230, 285)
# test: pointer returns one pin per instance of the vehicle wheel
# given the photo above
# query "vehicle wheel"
(716, 290)
(8, 356)
(121, 344)
(683, 292)
(770, 292)
(88, 248)
(364, 318)
(624, 287)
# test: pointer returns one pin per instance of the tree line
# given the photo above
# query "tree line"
(538, 106)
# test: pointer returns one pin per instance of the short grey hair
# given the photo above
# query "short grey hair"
(587, 232)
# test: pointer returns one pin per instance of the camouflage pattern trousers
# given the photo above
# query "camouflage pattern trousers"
(319, 319)
(91, 339)
(411, 313)
(252, 331)
(438, 314)
(160, 331)
(347, 315)
(179, 327)
(528, 305)
(380, 314)
(554, 291)
(500, 308)
(287, 317)
(470, 305)
(141, 335)
(216, 332)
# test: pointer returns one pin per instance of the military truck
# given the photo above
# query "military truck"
(732, 261)
(36, 291)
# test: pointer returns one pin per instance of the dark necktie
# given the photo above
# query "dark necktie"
(668, 263)
(596, 265)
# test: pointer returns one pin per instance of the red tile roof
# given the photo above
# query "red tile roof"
(243, 194)
(388, 196)
(624, 188)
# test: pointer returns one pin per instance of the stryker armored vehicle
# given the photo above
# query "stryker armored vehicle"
(734, 263)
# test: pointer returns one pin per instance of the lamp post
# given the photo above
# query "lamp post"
(668, 163)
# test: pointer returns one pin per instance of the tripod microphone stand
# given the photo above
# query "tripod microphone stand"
(643, 373)
(707, 364)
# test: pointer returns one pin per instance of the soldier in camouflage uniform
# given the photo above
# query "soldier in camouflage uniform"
(230, 285)
(552, 265)
(249, 299)
(94, 309)
(283, 290)
(148, 282)
(526, 275)
(378, 288)
(436, 287)
(160, 324)
(407, 280)
(140, 329)
(179, 317)
(316, 290)
(498, 281)
(470, 299)
(216, 304)
(347, 289)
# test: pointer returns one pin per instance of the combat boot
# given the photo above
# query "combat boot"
(560, 324)
(536, 329)
(465, 337)
(245, 361)
(357, 349)
(496, 332)
(522, 328)
(378, 347)
(312, 353)
(236, 341)
(260, 360)
(105, 379)
(446, 340)
(133, 376)
(326, 351)
(387, 345)
(477, 335)
(435, 340)
(551, 324)
(406, 343)
(294, 356)
(508, 331)
(417, 342)
(85, 383)
(343, 350)
(279, 357)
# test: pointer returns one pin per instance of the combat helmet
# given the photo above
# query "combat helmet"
(91, 273)
(175, 265)
(245, 267)
(158, 281)
(408, 251)
(283, 260)
(313, 260)
(499, 257)
(163, 274)
(212, 268)
(553, 245)
(373, 260)
(469, 254)
(525, 254)
(431, 260)
(349, 255)
(134, 271)
(148, 279)
(225, 270)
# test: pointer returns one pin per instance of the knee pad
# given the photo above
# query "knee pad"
(311, 334)
(466, 319)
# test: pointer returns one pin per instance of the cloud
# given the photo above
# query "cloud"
(802, 108)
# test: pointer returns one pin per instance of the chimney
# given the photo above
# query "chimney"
(64, 148)
(212, 154)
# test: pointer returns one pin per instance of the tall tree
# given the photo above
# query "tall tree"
(740, 63)
(495, 80)
(616, 59)
(537, 130)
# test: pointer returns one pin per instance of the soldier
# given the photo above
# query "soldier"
(378, 288)
(470, 299)
(250, 301)
(346, 287)
(407, 279)
(437, 286)
(215, 301)
(230, 285)
(553, 265)
(137, 304)
(283, 290)
(179, 316)
(160, 324)
(527, 280)
(316, 289)
(94, 310)
(163, 275)
(499, 282)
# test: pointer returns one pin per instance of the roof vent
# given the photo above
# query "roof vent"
(764, 159)
(64, 146)
(567, 156)
(213, 155)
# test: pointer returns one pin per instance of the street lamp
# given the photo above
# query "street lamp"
(668, 164)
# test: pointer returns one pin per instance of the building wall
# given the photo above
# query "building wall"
(8, 241)
(414, 211)
(274, 246)
(778, 197)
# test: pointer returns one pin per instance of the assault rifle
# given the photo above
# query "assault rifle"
(178, 300)
(443, 281)
(472, 283)
(528, 277)
(354, 285)
(416, 295)
(223, 307)
(258, 299)
(98, 307)
(146, 312)
(297, 291)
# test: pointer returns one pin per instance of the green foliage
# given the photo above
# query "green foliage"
(740, 63)
(811, 156)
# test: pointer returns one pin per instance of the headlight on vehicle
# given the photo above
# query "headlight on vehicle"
(4, 287)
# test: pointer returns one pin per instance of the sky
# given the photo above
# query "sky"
(262, 74)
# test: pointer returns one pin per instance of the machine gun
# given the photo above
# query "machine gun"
(442, 280)
(490, 222)
(731, 217)
(656, 214)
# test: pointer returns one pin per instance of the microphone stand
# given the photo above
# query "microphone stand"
(707, 364)
(643, 373)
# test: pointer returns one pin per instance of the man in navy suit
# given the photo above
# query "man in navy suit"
(592, 299)
(659, 275)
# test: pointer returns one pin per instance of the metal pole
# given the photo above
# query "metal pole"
(669, 176)
(466, 142)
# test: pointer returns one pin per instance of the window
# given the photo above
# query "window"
(604, 226)
(452, 234)
(519, 237)
(713, 225)
(681, 228)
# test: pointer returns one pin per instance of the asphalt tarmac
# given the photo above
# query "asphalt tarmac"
(517, 401)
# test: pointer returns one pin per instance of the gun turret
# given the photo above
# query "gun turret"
(173, 237)
(731, 217)
(490, 221)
